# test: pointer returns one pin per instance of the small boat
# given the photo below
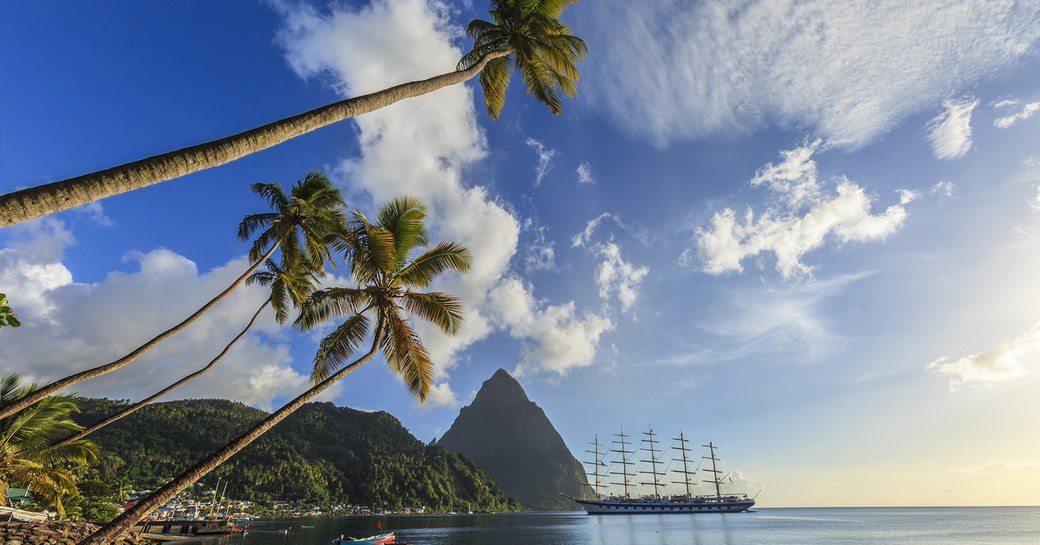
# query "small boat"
(381, 539)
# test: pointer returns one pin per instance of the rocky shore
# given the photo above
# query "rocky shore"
(50, 533)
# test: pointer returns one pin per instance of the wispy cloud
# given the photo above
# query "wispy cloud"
(949, 133)
(1026, 112)
(1005, 362)
(806, 215)
(944, 189)
(693, 70)
(616, 277)
(541, 253)
(545, 159)
(584, 172)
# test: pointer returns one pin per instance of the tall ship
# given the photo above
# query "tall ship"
(655, 503)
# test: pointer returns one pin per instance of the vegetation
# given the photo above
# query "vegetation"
(7, 315)
(290, 283)
(321, 455)
(378, 255)
(526, 32)
(28, 456)
(298, 224)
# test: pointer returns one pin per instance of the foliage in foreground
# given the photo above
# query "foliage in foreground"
(28, 456)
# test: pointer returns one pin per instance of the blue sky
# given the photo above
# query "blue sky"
(808, 232)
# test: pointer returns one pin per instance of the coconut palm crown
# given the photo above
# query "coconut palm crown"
(28, 456)
(541, 49)
(388, 281)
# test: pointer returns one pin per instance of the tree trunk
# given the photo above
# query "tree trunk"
(61, 384)
(121, 524)
(34, 202)
(137, 406)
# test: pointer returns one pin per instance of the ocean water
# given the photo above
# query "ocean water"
(831, 526)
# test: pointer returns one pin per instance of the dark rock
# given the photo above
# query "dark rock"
(513, 440)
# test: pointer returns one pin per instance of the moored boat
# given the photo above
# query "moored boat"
(381, 539)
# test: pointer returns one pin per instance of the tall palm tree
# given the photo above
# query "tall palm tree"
(379, 257)
(527, 32)
(292, 284)
(27, 454)
(299, 225)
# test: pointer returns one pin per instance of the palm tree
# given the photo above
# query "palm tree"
(299, 225)
(379, 257)
(27, 454)
(288, 284)
(7, 315)
(527, 32)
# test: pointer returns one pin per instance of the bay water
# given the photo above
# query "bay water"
(802, 526)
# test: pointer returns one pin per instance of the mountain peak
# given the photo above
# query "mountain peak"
(513, 440)
(501, 387)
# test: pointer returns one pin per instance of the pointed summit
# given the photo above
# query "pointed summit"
(511, 438)
(503, 388)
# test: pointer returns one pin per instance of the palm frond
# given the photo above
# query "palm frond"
(330, 302)
(438, 308)
(406, 355)
(339, 345)
(444, 257)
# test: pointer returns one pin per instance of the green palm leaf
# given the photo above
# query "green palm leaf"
(444, 257)
(440, 309)
(338, 346)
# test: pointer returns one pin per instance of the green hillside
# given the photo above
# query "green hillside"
(323, 454)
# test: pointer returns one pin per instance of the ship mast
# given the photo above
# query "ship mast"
(597, 461)
(648, 438)
(625, 473)
(714, 470)
(685, 463)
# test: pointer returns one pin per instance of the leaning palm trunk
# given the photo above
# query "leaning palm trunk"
(132, 516)
(70, 380)
(140, 404)
(34, 202)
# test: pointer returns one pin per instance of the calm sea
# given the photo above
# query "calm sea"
(874, 526)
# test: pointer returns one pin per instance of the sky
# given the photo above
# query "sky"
(806, 231)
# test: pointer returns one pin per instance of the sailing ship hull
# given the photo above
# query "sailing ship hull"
(664, 506)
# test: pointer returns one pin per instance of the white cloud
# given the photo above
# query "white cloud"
(1005, 362)
(1007, 103)
(545, 159)
(1035, 201)
(949, 133)
(421, 146)
(562, 339)
(70, 326)
(944, 189)
(1004, 468)
(1026, 112)
(614, 275)
(693, 70)
(585, 236)
(541, 253)
(617, 277)
(805, 217)
(584, 171)
(441, 395)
